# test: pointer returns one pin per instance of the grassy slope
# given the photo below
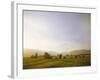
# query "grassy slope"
(33, 63)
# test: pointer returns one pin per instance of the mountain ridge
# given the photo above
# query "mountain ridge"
(29, 52)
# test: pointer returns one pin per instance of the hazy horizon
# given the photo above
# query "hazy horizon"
(29, 49)
(56, 31)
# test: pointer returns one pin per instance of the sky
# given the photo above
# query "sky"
(56, 31)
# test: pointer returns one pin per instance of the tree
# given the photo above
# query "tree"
(60, 56)
(47, 55)
(36, 55)
(76, 56)
(64, 57)
(32, 56)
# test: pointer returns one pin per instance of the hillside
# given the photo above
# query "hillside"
(76, 52)
(71, 59)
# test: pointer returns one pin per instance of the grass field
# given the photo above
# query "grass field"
(54, 62)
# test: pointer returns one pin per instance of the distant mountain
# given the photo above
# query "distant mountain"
(76, 52)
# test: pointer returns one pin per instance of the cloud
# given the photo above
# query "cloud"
(56, 31)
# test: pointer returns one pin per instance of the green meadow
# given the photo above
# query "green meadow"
(47, 61)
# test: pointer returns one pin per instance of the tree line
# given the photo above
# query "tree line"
(59, 56)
